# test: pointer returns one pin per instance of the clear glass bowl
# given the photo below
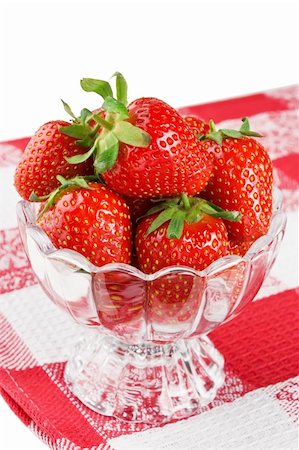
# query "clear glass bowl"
(151, 360)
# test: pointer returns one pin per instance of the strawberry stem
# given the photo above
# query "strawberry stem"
(213, 128)
(121, 88)
(185, 201)
(94, 131)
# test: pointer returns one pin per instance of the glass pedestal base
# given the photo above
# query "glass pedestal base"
(148, 383)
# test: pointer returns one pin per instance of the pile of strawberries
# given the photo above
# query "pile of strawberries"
(141, 184)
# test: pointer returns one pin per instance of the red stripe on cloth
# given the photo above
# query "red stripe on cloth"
(236, 107)
(51, 410)
(289, 165)
(261, 346)
(19, 143)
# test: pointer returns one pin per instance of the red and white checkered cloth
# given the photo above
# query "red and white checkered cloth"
(257, 407)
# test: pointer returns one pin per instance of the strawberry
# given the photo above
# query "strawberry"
(174, 298)
(119, 299)
(145, 150)
(199, 126)
(172, 163)
(86, 216)
(239, 248)
(44, 158)
(195, 237)
(242, 179)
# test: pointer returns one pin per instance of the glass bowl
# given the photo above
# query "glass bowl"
(151, 360)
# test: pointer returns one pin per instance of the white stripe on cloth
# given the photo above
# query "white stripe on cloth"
(285, 268)
(253, 422)
(41, 435)
(49, 333)
(289, 93)
(13, 352)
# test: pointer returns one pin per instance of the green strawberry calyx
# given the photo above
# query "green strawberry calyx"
(80, 127)
(78, 181)
(112, 125)
(183, 209)
(219, 135)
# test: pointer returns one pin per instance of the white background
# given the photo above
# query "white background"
(181, 51)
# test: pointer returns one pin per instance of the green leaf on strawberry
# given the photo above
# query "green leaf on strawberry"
(111, 105)
(186, 209)
(76, 130)
(165, 216)
(245, 129)
(215, 211)
(77, 181)
(218, 135)
(231, 133)
(111, 127)
(131, 135)
(100, 87)
(162, 205)
(77, 159)
(215, 136)
(189, 231)
(68, 110)
(176, 225)
(85, 115)
(121, 88)
(107, 154)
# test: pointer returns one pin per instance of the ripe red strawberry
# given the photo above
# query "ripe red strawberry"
(89, 218)
(239, 248)
(242, 180)
(195, 236)
(44, 159)
(172, 299)
(201, 244)
(191, 238)
(145, 150)
(119, 299)
(199, 126)
(172, 163)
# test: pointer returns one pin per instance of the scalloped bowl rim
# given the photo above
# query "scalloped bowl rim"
(66, 254)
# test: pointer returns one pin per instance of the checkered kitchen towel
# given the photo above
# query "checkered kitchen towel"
(257, 406)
